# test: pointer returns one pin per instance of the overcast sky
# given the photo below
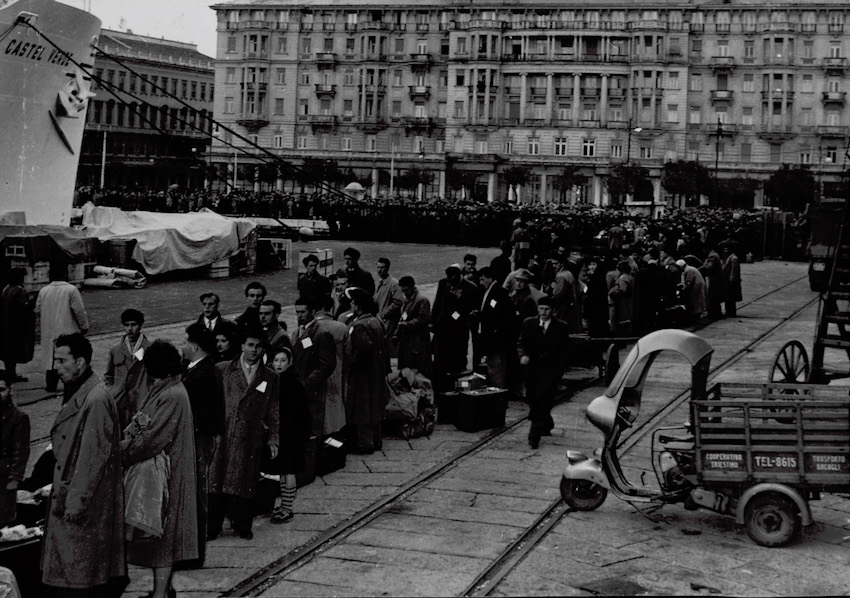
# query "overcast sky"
(181, 20)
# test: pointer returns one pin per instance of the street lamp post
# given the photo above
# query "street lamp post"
(719, 133)
(629, 152)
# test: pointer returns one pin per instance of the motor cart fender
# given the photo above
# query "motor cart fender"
(581, 467)
(753, 491)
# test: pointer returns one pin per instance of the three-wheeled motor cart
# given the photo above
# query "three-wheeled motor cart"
(751, 451)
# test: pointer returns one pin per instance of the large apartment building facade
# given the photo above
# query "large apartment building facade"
(741, 86)
(148, 126)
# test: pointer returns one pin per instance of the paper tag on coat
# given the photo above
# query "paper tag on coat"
(306, 342)
(262, 386)
(455, 316)
(404, 316)
(140, 354)
(492, 303)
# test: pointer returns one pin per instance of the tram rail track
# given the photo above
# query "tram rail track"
(488, 580)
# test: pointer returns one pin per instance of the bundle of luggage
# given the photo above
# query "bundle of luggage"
(410, 410)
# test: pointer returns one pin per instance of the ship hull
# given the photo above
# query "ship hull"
(43, 103)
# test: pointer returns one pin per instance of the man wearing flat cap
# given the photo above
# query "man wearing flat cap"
(357, 276)
(456, 298)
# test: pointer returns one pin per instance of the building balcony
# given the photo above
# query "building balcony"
(647, 91)
(617, 92)
(776, 133)
(647, 25)
(252, 25)
(488, 24)
(321, 120)
(328, 26)
(264, 56)
(537, 92)
(373, 57)
(834, 97)
(780, 27)
(776, 95)
(370, 89)
(589, 92)
(722, 63)
(305, 26)
(417, 122)
(419, 91)
(722, 95)
(254, 86)
(326, 59)
(253, 121)
(421, 59)
(423, 27)
(371, 124)
(397, 57)
(587, 123)
(833, 130)
(835, 63)
(324, 89)
(373, 26)
(724, 130)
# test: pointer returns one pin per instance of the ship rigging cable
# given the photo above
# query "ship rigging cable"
(266, 158)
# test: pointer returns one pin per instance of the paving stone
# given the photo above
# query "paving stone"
(496, 488)
(406, 558)
(303, 588)
(364, 480)
(476, 514)
(423, 540)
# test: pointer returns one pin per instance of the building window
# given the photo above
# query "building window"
(346, 144)
(696, 83)
(280, 76)
(371, 143)
(746, 152)
(278, 106)
(278, 141)
(835, 50)
(830, 155)
(481, 147)
(749, 83)
(560, 146)
(399, 45)
(672, 113)
(508, 146)
(806, 117)
(673, 80)
(806, 157)
(646, 152)
(775, 153)
(228, 105)
(747, 117)
(304, 79)
(833, 85)
(808, 84)
(616, 149)
(230, 75)
(721, 115)
(231, 44)
(696, 47)
(440, 146)
(533, 146)
(588, 148)
(460, 78)
(694, 116)
(347, 109)
(307, 46)
(723, 48)
(348, 77)
(281, 45)
(808, 48)
(459, 112)
(397, 76)
(461, 45)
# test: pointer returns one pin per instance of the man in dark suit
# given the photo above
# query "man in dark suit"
(357, 276)
(314, 359)
(543, 350)
(276, 334)
(206, 396)
(210, 318)
(496, 332)
(455, 300)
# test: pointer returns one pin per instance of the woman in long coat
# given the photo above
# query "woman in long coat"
(164, 425)
(367, 377)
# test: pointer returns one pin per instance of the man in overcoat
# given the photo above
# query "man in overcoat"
(314, 360)
(61, 311)
(388, 297)
(17, 324)
(206, 397)
(414, 336)
(251, 424)
(125, 375)
(542, 349)
(496, 330)
(276, 337)
(83, 545)
(357, 276)
(456, 298)
(255, 294)
(732, 275)
(335, 388)
(367, 376)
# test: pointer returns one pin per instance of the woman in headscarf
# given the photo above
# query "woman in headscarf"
(161, 507)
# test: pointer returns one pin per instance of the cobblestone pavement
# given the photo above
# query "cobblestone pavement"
(439, 538)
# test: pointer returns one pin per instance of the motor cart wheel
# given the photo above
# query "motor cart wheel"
(791, 364)
(772, 520)
(582, 495)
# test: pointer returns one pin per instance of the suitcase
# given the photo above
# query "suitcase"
(331, 456)
(311, 451)
(481, 409)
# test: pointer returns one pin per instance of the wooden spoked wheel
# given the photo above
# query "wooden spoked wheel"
(791, 364)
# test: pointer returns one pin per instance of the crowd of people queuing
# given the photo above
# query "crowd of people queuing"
(153, 457)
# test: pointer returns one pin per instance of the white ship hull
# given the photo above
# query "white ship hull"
(43, 102)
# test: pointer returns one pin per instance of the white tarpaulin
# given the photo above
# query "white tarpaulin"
(165, 241)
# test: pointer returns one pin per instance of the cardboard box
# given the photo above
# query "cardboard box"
(481, 409)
